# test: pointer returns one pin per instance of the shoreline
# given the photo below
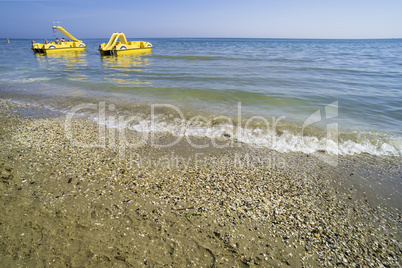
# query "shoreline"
(243, 206)
(277, 132)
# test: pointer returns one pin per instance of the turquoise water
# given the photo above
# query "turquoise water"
(338, 96)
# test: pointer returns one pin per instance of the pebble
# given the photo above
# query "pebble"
(298, 209)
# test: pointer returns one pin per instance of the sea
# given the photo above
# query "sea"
(340, 97)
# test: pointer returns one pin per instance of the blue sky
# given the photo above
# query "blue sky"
(204, 18)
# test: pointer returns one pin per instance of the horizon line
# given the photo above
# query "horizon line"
(299, 38)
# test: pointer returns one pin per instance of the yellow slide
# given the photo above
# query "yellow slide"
(118, 44)
(66, 33)
(114, 39)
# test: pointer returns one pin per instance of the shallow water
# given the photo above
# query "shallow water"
(338, 96)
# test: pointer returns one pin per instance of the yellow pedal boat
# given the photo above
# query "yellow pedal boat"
(59, 45)
(118, 45)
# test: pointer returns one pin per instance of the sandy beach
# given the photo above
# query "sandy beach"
(68, 203)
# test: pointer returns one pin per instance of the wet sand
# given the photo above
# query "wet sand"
(67, 203)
